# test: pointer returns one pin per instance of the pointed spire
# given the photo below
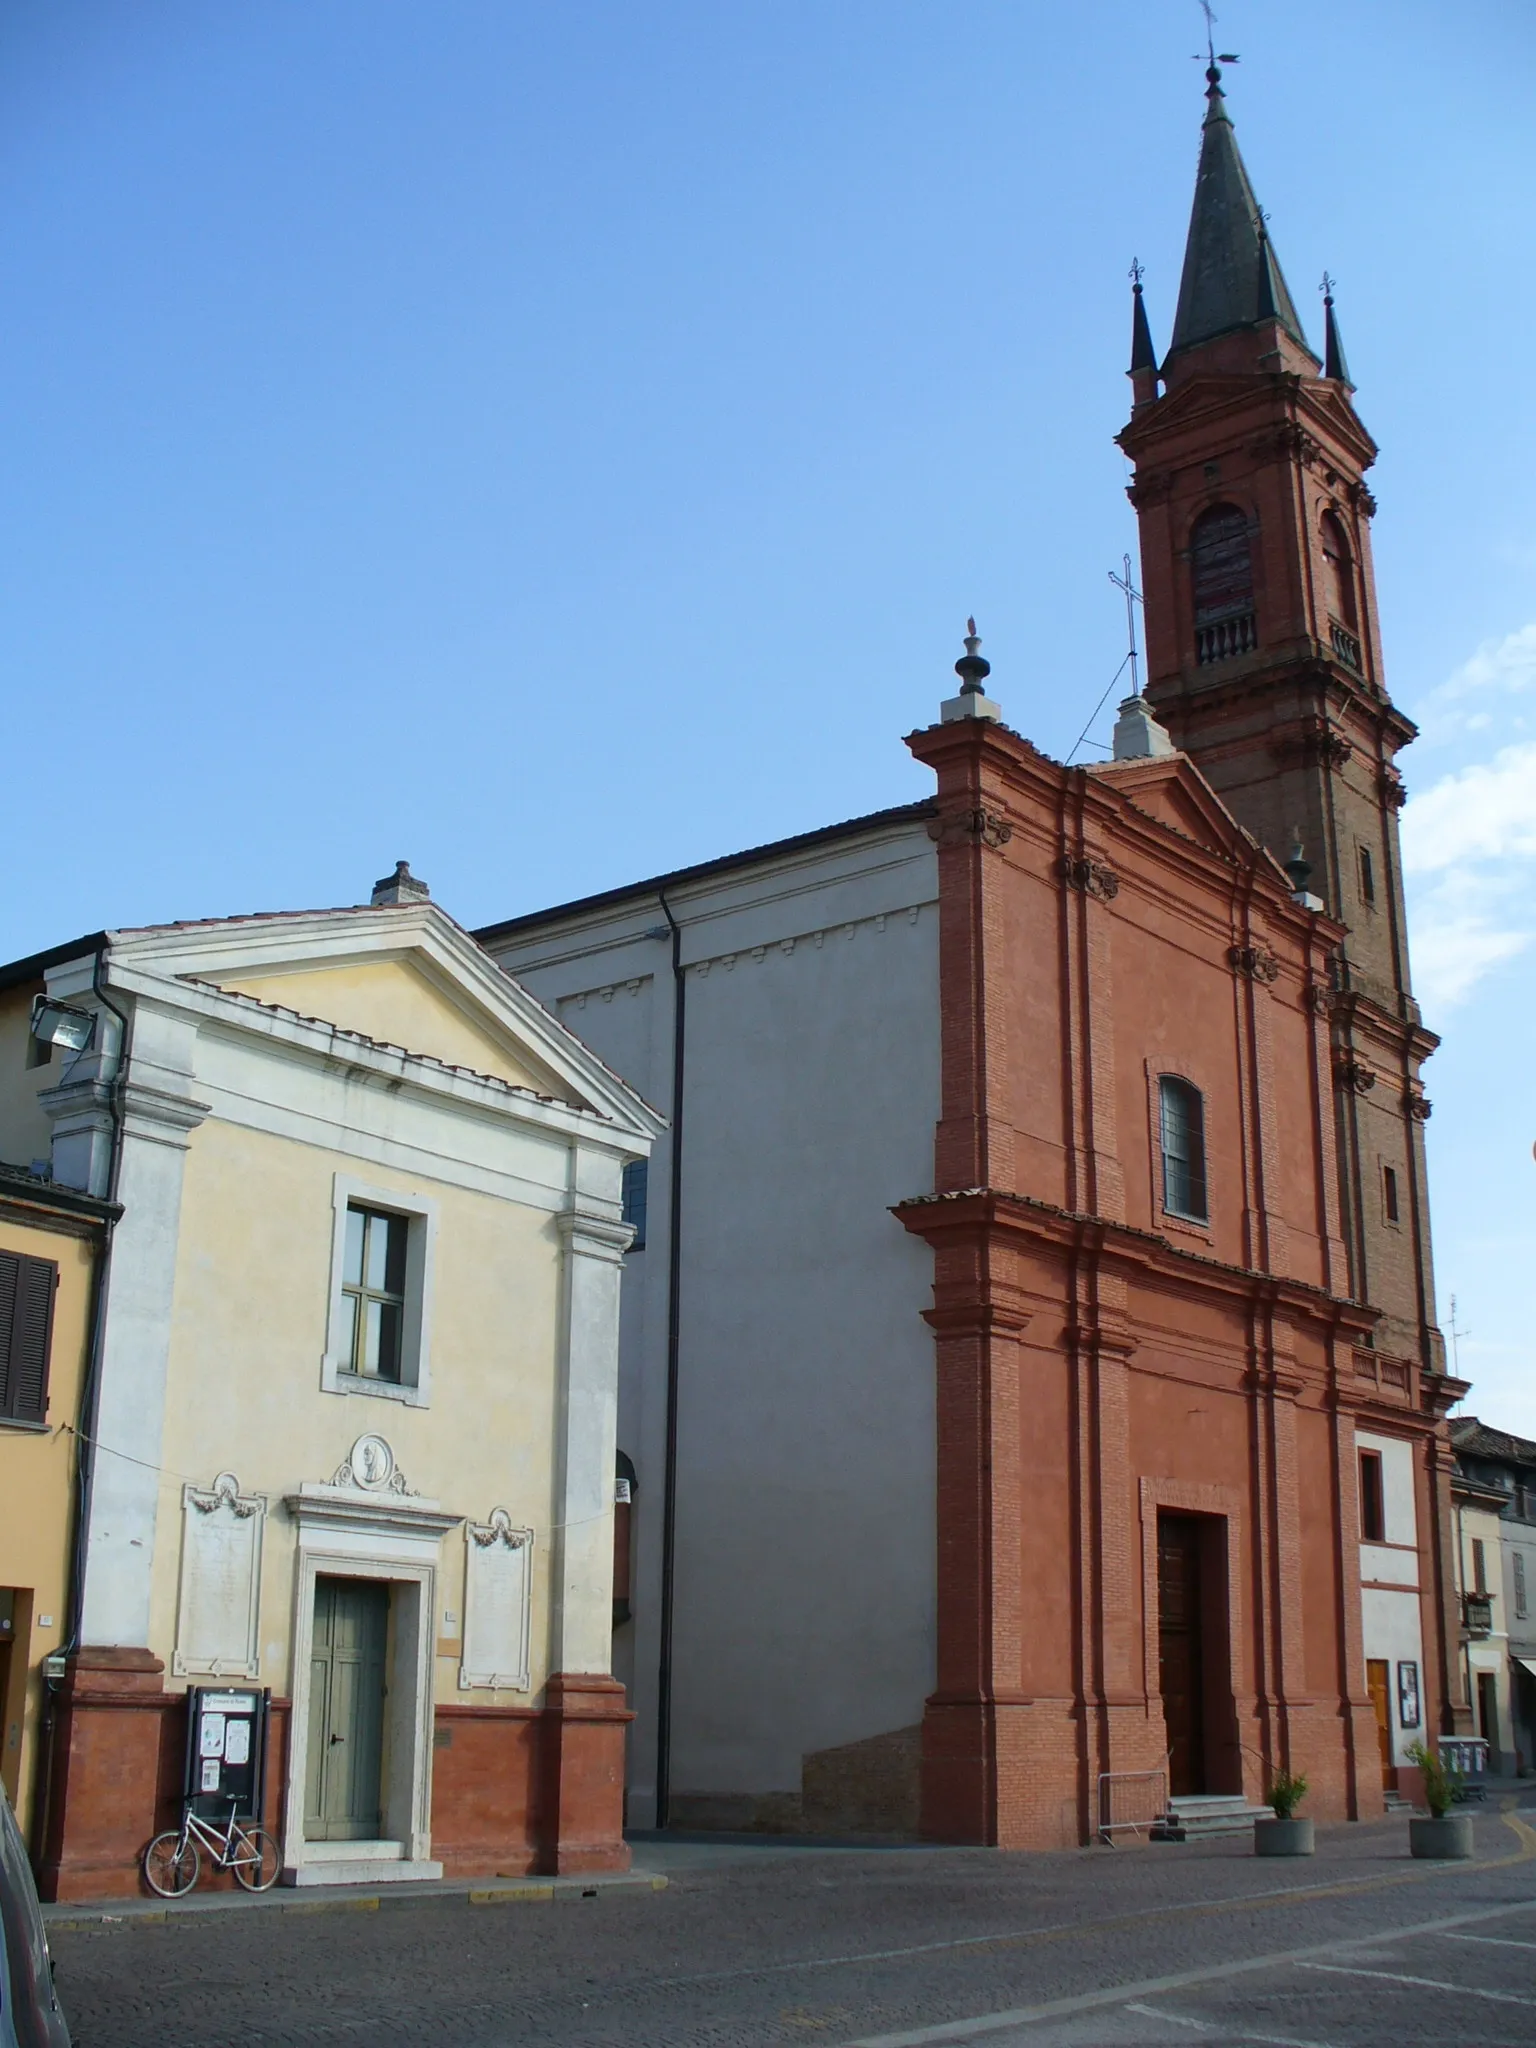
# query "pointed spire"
(1143, 355)
(1232, 277)
(1334, 364)
(1143, 370)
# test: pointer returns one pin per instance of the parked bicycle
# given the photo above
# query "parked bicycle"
(173, 1861)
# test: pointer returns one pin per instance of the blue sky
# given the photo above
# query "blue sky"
(556, 444)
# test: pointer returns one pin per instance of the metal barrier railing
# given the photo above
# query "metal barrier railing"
(1130, 1801)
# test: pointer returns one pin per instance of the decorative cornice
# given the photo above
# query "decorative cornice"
(1289, 439)
(1154, 489)
(595, 1237)
(988, 828)
(1257, 962)
(1093, 877)
(1363, 499)
(348, 1507)
(961, 1210)
(1392, 789)
(1318, 742)
(1354, 1074)
(1418, 1105)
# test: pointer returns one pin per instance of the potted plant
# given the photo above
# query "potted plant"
(1285, 1835)
(1443, 1834)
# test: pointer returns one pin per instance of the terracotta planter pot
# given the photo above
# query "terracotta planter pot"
(1283, 1838)
(1450, 1838)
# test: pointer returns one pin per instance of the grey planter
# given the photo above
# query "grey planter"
(1283, 1838)
(1448, 1839)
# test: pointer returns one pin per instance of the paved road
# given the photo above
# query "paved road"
(1359, 1947)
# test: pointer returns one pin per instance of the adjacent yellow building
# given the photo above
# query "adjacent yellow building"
(351, 1465)
(51, 1243)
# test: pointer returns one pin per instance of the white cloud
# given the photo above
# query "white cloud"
(1485, 812)
(1500, 669)
(1469, 841)
(1451, 956)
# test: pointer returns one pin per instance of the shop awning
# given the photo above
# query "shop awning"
(1526, 1664)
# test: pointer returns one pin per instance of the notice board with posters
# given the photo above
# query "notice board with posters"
(227, 1750)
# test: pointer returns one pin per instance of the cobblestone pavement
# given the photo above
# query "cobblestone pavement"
(1200, 1942)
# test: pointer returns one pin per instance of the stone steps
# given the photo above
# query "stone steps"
(1195, 1817)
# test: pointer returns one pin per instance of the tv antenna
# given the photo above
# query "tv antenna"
(1456, 1334)
(1211, 58)
(1133, 597)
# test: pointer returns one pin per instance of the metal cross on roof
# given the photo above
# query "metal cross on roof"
(1133, 598)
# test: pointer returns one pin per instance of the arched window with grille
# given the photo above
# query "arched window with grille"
(1181, 1135)
(1341, 571)
(1221, 573)
(1340, 591)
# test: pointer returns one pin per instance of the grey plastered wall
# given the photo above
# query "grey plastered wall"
(804, 1588)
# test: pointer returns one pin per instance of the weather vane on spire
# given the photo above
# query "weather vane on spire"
(1326, 288)
(1137, 272)
(1211, 58)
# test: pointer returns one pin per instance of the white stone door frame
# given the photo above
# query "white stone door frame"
(348, 1533)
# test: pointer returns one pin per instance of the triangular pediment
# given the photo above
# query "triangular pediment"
(1170, 789)
(402, 975)
(401, 1000)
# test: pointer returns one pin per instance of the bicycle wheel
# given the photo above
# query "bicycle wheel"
(255, 1860)
(171, 1864)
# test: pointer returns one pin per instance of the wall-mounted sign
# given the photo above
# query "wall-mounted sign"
(1408, 1694)
(226, 1751)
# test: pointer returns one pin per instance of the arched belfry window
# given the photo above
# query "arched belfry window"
(1221, 572)
(1181, 1137)
(1340, 590)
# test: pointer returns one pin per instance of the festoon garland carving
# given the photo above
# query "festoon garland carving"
(224, 1493)
(499, 1529)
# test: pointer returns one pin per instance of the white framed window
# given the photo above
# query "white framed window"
(379, 1321)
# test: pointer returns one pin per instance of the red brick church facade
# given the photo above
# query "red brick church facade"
(1148, 1526)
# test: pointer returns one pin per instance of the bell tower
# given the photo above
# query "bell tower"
(1264, 662)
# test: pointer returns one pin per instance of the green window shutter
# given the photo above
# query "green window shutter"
(27, 1289)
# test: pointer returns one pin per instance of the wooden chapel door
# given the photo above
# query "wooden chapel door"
(1181, 1660)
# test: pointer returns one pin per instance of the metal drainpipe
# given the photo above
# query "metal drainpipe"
(85, 1465)
(674, 1309)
